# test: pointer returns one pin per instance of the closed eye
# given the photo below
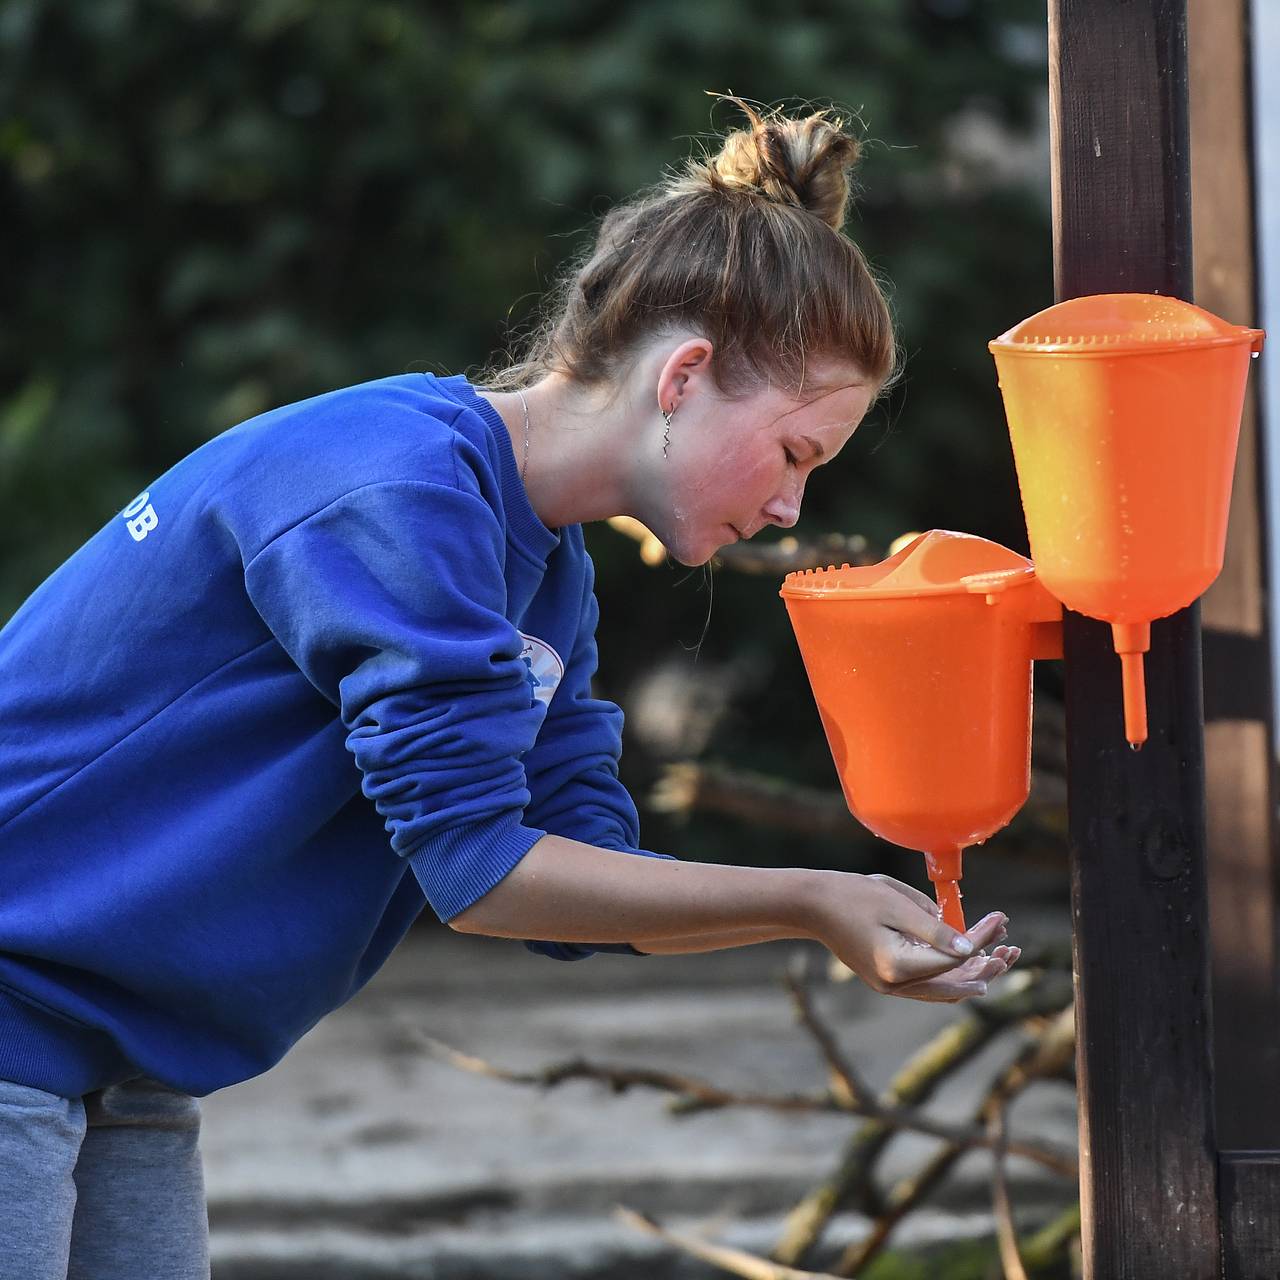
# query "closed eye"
(791, 457)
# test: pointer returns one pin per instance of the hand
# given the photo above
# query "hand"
(891, 936)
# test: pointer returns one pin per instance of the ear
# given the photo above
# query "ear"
(686, 369)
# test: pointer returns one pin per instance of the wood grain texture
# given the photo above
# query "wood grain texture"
(1122, 222)
(1250, 1191)
(1244, 870)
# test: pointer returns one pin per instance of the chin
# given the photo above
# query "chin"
(694, 557)
(694, 551)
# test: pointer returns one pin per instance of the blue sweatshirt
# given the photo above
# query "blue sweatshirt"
(328, 667)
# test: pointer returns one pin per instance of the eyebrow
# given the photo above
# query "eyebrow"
(818, 450)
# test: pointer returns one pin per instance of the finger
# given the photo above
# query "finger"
(979, 969)
(937, 991)
(1008, 954)
(974, 969)
(992, 929)
(903, 914)
(900, 960)
(910, 892)
(961, 983)
(905, 960)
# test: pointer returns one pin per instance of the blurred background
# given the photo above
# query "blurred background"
(214, 207)
(210, 208)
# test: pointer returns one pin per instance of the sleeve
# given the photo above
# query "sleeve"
(572, 771)
(391, 601)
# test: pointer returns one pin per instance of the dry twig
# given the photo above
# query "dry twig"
(848, 1087)
(697, 1095)
(736, 1261)
(1006, 1232)
(1046, 1057)
(1027, 995)
(1028, 998)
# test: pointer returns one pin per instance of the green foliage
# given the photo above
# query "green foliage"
(957, 1260)
(216, 206)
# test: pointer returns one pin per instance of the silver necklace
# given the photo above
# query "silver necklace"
(525, 464)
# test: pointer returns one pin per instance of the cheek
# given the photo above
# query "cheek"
(740, 476)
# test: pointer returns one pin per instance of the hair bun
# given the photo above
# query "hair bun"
(802, 162)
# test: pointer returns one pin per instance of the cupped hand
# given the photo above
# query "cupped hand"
(891, 936)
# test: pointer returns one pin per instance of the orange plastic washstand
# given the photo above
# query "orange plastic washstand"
(921, 670)
(1124, 414)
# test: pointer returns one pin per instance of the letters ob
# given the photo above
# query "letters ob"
(140, 517)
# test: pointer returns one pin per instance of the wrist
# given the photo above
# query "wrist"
(812, 902)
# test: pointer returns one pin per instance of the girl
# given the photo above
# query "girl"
(335, 666)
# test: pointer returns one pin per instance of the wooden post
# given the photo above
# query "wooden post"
(1250, 1222)
(1122, 222)
(1239, 773)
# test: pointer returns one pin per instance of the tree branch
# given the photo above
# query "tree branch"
(694, 1095)
(736, 1261)
(1006, 1231)
(1044, 1058)
(848, 1087)
(687, 786)
(1027, 994)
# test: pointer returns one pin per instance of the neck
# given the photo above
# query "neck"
(576, 467)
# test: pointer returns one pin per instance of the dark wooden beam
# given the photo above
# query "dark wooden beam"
(1122, 222)
(1250, 1191)
(1239, 734)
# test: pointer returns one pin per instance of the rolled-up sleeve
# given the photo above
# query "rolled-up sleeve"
(572, 771)
(391, 601)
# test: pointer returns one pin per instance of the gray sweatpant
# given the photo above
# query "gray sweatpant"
(104, 1187)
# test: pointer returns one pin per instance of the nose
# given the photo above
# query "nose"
(784, 508)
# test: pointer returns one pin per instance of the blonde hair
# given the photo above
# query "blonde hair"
(746, 249)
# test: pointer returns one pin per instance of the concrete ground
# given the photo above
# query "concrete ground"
(361, 1156)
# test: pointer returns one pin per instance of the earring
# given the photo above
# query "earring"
(666, 437)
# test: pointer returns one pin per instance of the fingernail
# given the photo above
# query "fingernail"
(961, 945)
(982, 988)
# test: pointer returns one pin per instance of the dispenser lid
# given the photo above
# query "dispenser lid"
(940, 562)
(1108, 324)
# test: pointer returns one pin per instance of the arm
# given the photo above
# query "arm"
(711, 941)
(390, 600)
(575, 892)
(566, 890)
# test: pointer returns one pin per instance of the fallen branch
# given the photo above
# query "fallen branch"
(848, 1087)
(1044, 1058)
(736, 1261)
(687, 787)
(1006, 1231)
(698, 1095)
(1027, 994)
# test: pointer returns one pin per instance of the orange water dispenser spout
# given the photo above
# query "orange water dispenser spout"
(945, 869)
(921, 670)
(1132, 640)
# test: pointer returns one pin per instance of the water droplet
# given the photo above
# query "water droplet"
(1135, 746)
(1253, 355)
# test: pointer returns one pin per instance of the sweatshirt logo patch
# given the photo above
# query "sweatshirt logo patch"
(546, 669)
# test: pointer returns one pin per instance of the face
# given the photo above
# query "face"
(734, 467)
